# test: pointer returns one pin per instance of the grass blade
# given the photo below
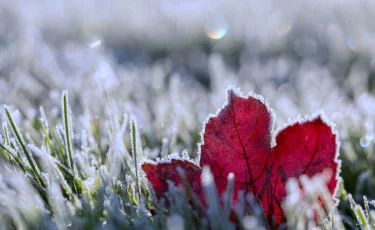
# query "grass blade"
(67, 130)
(133, 134)
(20, 141)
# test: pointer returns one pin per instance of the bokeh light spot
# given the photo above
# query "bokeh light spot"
(364, 142)
(285, 27)
(353, 45)
(217, 29)
(95, 44)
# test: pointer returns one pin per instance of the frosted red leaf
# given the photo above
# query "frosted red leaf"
(158, 174)
(239, 140)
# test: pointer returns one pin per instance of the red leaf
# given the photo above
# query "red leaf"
(158, 174)
(239, 140)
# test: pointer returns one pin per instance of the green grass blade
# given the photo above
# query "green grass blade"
(20, 141)
(133, 134)
(6, 133)
(12, 153)
(67, 130)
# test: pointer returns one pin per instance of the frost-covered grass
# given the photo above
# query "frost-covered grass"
(54, 176)
(66, 182)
